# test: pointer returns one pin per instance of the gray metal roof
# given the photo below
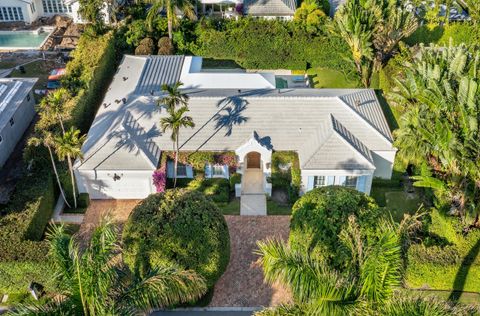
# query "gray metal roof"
(159, 70)
(126, 135)
(13, 92)
(269, 7)
(333, 146)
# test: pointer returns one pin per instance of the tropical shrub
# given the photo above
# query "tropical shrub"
(160, 179)
(458, 33)
(183, 227)
(310, 15)
(234, 179)
(319, 216)
(146, 47)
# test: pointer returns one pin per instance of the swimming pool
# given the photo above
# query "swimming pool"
(13, 40)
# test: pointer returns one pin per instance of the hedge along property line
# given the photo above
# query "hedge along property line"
(95, 60)
(23, 253)
(271, 44)
(290, 180)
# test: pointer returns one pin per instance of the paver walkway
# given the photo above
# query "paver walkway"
(242, 283)
(118, 210)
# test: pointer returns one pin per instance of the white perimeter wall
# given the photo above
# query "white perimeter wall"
(131, 184)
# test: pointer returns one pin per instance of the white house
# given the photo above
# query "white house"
(341, 135)
(16, 112)
(266, 9)
(30, 10)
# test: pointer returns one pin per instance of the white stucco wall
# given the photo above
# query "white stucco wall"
(337, 173)
(133, 184)
(383, 161)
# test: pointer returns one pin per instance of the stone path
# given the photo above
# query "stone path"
(242, 283)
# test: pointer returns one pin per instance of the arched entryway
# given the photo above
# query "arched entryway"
(253, 160)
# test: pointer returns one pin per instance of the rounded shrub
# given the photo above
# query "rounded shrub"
(178, 226)
(146, 47)
(320, 215)
(165, 46)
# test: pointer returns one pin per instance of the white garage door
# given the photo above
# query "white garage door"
(125, 186)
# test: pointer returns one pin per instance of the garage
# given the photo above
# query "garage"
(115, 184)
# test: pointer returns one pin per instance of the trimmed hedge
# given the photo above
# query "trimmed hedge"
(270, 44)
(459, 33)
(444, 258)
(319, 216)
(93, 65)
(180, 226)
(22, 253)
(290, 180)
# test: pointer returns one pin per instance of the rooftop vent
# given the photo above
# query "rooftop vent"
(357, 103)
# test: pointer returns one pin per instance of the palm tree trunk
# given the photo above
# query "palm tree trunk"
(56, 175)
(176, 162)
(61, 125)
(74, 192)
(170, 28)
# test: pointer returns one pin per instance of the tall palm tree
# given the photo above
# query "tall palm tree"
(319, 290)
(95, 281)
(52, 108)
(173, 96)
(47, 139)
(175, 120)
(172, 8)
(68, 147)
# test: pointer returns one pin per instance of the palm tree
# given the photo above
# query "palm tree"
(317, 289)
(52, 108)
(95, 281)
(68, 147)
(175, 120)
(46, 139)
(174, 96)
(172, 8)
(356, 25)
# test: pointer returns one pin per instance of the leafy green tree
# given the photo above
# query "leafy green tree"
(176, 120)
(185, 228)
(440, 126)
(68, 147)
(92, 12)
(47, 139)
(96, 282)
(172, 9)
(310, 15)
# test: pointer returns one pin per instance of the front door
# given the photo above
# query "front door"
(253, 160)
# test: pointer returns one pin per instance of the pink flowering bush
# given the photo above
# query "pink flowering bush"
(228, 159)
(160, 179)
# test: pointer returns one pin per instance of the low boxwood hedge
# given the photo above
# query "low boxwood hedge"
(180, 226)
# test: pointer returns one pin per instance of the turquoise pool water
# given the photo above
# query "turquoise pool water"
(22, 39)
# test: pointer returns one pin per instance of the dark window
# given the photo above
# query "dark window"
(351, 181)
(181, 170)
(12, 122)
(319, 181)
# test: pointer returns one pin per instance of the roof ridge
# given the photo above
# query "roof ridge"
(342, 131)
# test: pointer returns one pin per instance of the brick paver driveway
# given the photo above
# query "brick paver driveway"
(118, 210)
(242, 283)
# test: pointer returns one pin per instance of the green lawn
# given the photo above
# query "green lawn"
(465, 297)
(396, 201)
(210, 63)
(232, 208)
(328, 78)
(39, 69)
(275, 208)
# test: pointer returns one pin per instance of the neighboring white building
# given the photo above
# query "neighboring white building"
(266, 9)
(17, 109)
(30, 10)
(341, 135)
